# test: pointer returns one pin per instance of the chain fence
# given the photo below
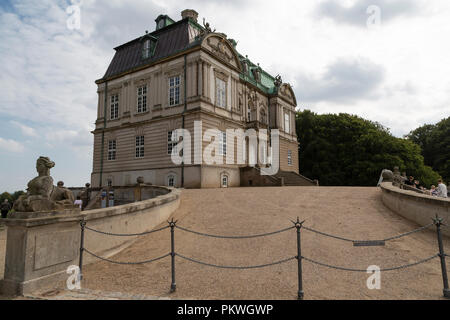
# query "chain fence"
(126, 234)
(127, 262)
(365, 270)
(359, 241)
(235, 237)
(236, 267)
(299, 257)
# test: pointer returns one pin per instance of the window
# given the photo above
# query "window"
(146, 49)
(286, 123)
(142, 99)
(289, 157)
(114, 107)
(172, 141)
(224, 181)
(171, 180)
(112, 150)
(174, 90)
(139, 146)
(221, 93)
(223, 144)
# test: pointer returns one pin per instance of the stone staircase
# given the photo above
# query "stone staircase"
(291, 178)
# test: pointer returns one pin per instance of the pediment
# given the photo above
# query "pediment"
(221, 48)
(286, 92)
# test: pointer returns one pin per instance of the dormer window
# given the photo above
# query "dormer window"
(148, 43)
(146, 50)
(161, 24)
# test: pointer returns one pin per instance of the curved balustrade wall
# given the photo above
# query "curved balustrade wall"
(420, 208)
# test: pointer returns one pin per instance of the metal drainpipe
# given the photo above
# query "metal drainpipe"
(182, 115)
(103, 135)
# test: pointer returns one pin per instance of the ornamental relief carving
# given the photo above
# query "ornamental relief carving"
(220, 49)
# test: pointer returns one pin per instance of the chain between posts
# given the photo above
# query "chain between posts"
(234, 237)
(296, 224)
(356, 241)
(365, 270)
(236, 267)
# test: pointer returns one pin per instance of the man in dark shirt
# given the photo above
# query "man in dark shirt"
(410, 181)
(5, 207)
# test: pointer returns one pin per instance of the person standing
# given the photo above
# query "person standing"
(441, 189)
(5, 207)
(78, 202)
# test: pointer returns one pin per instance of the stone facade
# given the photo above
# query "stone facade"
(208, 81)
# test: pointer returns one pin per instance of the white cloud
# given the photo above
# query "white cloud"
(9, 145)
(26, 130)
(396, 74)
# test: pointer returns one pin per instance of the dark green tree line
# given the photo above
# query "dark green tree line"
(434, 140)
(343, 149)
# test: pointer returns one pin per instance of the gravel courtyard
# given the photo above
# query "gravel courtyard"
(352, 212)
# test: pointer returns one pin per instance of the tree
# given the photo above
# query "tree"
(434, 141)
(343, 149)
(6, 195)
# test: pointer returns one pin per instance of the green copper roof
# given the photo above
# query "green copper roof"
(267, 81)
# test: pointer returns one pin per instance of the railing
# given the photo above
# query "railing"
(437, 221)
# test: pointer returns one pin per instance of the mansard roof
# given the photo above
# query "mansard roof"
(170, 40)
(176, 38)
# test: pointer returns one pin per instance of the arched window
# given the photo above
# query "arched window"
(171, 180)
(224, 180)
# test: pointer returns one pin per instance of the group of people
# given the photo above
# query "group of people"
(439, 191)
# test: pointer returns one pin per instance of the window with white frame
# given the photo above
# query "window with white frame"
(170, 180)
(112, 149)
(221, 93)
(174, 90)
(139, 146)
(287, 123)
(224, 182)
(114, 107)
(223, 144)
(142, 99)
(172, 141)
(289, 158)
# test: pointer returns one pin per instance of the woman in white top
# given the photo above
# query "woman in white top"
(79, 202)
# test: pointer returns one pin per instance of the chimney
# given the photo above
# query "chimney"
(189, 13)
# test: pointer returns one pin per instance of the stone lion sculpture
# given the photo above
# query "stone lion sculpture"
(41, 194)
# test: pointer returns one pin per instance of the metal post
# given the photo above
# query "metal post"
(80, 263)
(298, 225)
(438, 222)
(172, 224)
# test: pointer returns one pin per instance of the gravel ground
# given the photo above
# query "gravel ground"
(352, 212)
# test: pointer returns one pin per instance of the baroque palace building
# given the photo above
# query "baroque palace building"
(165, 80)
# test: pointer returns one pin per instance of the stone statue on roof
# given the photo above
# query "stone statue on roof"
(207, 27)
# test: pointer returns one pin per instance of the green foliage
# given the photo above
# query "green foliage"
(434, 140)
(343, 149)
(11, 197)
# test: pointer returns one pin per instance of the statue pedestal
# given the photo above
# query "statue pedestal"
(39, 248)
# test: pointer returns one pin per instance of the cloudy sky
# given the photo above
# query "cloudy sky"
(384, 60)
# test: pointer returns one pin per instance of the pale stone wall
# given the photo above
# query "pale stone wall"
(204, 65)
(40, 250)
(414, 206)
